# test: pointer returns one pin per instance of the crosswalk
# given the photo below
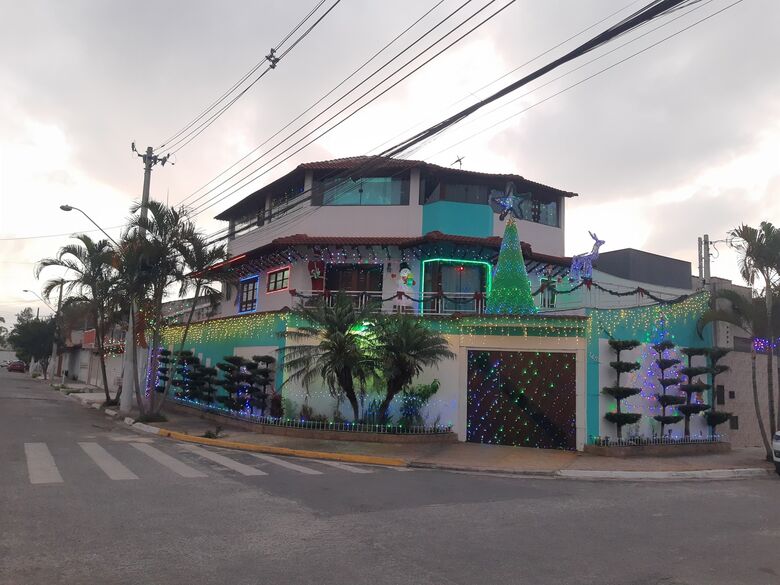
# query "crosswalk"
(188, 461)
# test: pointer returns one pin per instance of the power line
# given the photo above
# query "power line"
(649, 12)
(589, 77)
(315, 104)
(218, 197)
(338, 100)
(43, 236)
(184, 137)
(419, 143)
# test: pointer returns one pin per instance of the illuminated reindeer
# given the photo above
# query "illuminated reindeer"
(582, 264)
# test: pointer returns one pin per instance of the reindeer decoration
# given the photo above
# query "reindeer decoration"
(582, 264)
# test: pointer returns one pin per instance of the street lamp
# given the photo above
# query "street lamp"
(71, 208)
(32, 292)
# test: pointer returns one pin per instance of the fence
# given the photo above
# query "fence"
(655, 440)
(299, 423)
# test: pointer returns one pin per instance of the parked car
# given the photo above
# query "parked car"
(776, 451)
(17, 366)
(4, 363)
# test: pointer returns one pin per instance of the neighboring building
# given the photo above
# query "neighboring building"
(178, 311)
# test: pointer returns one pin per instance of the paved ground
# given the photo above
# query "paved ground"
(85, 501)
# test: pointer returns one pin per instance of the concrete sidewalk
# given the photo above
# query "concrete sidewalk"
(474, 457)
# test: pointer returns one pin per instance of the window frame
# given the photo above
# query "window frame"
(255, 279)
(285, 279)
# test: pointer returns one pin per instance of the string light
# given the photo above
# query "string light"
(511, 292)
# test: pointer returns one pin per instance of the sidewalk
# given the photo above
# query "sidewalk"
(484, 458)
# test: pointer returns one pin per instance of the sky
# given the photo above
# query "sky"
(680, 140)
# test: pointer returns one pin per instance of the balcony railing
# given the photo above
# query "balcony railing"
(429, 303)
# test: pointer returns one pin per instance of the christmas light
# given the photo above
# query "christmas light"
(511, 293)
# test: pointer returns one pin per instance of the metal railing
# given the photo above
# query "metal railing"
(317, 425)
(637, 441)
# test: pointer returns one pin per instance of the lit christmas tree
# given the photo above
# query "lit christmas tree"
(511, 292)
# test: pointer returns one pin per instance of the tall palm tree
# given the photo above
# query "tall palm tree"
(90, 264)
(163, 232)
(332, 345)
(404, 347)
(749, 315)
(199, 255)
(760, 256)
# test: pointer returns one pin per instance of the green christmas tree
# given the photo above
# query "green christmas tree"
(511, 292)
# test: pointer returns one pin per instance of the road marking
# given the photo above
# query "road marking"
(397, 468)
(166, 460)
(107, 462)
(287, 464)
(223, 461)
(130, 439)
(40, 464)
(344, 466)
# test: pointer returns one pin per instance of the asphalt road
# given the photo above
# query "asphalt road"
(85, 501)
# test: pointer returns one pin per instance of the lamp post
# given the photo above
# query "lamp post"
(84, 213)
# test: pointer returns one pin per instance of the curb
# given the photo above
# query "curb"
(463, 469)
(743, 473)
(302, 453)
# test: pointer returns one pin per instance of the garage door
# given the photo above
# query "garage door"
(525, 399)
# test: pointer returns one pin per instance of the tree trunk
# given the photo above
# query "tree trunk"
(348, 386)
(136, 384)
(102, 358)
(756, 403)
(687, 426)
(189, 317)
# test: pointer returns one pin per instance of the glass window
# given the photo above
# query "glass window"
(278, 279)
(465, 193)
(247, 295)
(365, 191)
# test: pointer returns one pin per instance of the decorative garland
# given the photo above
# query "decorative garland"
(480, 296)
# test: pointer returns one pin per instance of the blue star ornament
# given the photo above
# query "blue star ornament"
(508, 202)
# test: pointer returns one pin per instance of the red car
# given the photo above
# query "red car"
(17, 366)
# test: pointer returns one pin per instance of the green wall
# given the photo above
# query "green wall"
(462, 219)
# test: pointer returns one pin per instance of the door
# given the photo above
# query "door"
(525, 399)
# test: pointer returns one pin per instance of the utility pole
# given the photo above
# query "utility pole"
(128, 388)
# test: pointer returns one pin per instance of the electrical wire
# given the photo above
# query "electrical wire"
(186, 137)
(688, 27)
(214, 200)
(315, 104)
(341, 98)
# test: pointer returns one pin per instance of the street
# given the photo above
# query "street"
(85, 500)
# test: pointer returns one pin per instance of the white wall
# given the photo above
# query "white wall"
(448, 405)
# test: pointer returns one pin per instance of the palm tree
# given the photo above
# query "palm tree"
(749, 315)
(332, 345)
(198, 256)
(90, 263)
(404, 347)
(760, 255)
(158, 239)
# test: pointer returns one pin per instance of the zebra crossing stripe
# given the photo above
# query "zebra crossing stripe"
(286, 464)
(166, 460)
(224, 461)
(40, 464)
(107, 462)
(344, 466)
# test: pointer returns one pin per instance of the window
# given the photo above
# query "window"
(278, 279)
(734, 423)
(720, 395)
(732, 395)
(247, 295)
(366, 191)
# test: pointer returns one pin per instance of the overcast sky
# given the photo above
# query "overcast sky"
(681, 140)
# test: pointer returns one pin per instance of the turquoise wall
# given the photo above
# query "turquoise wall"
(462, 219)
(639, 323)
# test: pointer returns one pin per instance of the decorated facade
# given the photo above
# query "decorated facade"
(480, 264)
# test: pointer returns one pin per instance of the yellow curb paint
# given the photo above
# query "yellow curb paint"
(345, 457)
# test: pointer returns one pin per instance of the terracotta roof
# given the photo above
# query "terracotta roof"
(493, 242)
(378, 163)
